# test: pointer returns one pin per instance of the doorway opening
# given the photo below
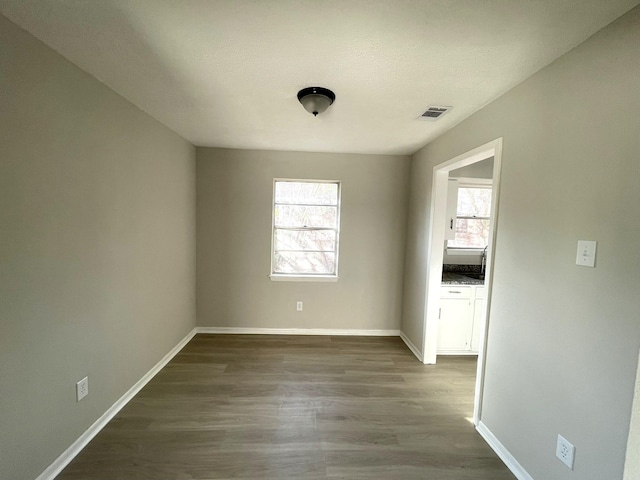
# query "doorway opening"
(436, 244)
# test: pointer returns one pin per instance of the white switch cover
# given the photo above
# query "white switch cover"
(299, 306)
(586, 255)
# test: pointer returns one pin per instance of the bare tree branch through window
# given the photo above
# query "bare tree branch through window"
(306, 221)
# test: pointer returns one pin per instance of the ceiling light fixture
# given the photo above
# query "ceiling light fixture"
(316, 99)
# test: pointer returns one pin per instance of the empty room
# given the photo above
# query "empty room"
(319, 239)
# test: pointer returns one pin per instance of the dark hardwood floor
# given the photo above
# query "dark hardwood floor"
(296, 407)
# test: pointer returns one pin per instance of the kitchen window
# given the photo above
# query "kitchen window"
(472, 217)
(305, 230)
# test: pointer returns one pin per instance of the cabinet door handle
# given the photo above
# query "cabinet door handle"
(451, 227)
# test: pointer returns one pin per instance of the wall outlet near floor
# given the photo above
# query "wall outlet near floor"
(565, 451)
(82, 389)
(299, 306)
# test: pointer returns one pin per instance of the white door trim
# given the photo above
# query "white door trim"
(435, 255)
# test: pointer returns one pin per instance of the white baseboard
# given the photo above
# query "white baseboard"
(298, 331)
(411, 346)
(504, 454)
(456, 352)
(70, 453)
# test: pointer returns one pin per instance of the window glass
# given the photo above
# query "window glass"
(306, 193)
(306, 221)
(474, 202)
(305, 216)
(321, 240)
(472, 222)
(470, 233)
(310, 263)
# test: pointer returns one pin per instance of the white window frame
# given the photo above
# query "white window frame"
(464, 182)
(305, 277)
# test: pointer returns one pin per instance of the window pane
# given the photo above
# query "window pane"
(305, 240)
(301, 207)
(470, 233)
(307, 193)
(474, 202)
(305, 216)
(305, 262)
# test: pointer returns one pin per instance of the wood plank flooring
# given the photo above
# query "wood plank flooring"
(296, 407)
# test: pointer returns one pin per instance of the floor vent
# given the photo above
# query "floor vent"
(433, 113)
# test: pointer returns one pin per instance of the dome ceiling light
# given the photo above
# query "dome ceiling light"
(316, 99)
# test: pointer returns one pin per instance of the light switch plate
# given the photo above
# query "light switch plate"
(586, 255)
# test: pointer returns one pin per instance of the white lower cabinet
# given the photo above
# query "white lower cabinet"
(461, 319)
(478, 318)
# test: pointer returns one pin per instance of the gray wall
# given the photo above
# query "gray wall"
(563, 340)
(482, 169)
(235, 189)
(97, 249)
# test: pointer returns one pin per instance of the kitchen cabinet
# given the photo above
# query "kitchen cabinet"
(461, 319)
(478, 318)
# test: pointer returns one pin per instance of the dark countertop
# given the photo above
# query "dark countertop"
(450, 278)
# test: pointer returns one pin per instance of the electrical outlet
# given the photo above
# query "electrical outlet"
(299, 306)
(565, 451)
(82, 389)
(586, 255)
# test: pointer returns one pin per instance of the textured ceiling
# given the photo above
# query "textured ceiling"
(226, 73)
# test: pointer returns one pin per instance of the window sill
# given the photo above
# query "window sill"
(302, 278)
(464, 251)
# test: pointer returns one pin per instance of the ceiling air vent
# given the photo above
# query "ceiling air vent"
(433, 113)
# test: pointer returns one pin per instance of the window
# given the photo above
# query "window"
(472, 217)
(306, 227)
